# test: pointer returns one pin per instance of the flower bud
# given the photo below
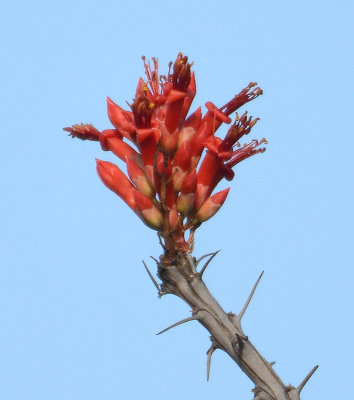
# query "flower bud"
(211, 206)
(119, 117)
(117, 181)
(83, 132)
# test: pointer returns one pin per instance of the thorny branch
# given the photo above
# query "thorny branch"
(181, 278)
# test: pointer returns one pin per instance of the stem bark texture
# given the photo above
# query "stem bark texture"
(180, 277)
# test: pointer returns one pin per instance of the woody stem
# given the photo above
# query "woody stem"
(180, 277)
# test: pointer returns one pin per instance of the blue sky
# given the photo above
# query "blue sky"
(78, 312)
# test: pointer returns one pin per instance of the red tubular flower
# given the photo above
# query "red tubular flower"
(83, 132)
(120, 119)
(117, 181)
(162, 149)
(211, 206)
(112, 140)
(181, 79)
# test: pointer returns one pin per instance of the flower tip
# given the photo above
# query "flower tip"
(221, 196)
(105, 169)
(212, 205)
(111, 105)
(117, 181)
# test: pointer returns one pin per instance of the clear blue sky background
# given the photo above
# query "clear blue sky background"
(78, 312)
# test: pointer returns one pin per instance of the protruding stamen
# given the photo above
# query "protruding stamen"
(152, 75)
(242, 98)
(181, 75)
(142, 109)
(248, 150)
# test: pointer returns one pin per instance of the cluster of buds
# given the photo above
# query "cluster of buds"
(170, 183)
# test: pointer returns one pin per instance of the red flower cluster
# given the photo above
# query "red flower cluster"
(162, 149)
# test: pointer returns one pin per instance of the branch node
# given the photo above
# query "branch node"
(192, 318)
(249, 298)
(192, 264)
(240, 339)
(306, 379)
(152, 277)
(212, 255)
(289, 388)
(164, 291)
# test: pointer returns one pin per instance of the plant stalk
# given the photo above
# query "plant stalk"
(180, 277)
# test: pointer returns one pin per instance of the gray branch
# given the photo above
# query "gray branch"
(180, 277)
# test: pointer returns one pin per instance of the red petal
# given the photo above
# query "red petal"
(118, 117)
(117, 181)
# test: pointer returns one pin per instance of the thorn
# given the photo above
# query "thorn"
(306, 379)
(160, 241)
(249, 297)
(207, 263)
(289, 388)
(151, 277)
(192, 318)
(156, 261)
(210, 353)
(202, 257)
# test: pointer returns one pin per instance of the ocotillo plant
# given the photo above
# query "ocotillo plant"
(174, 164)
